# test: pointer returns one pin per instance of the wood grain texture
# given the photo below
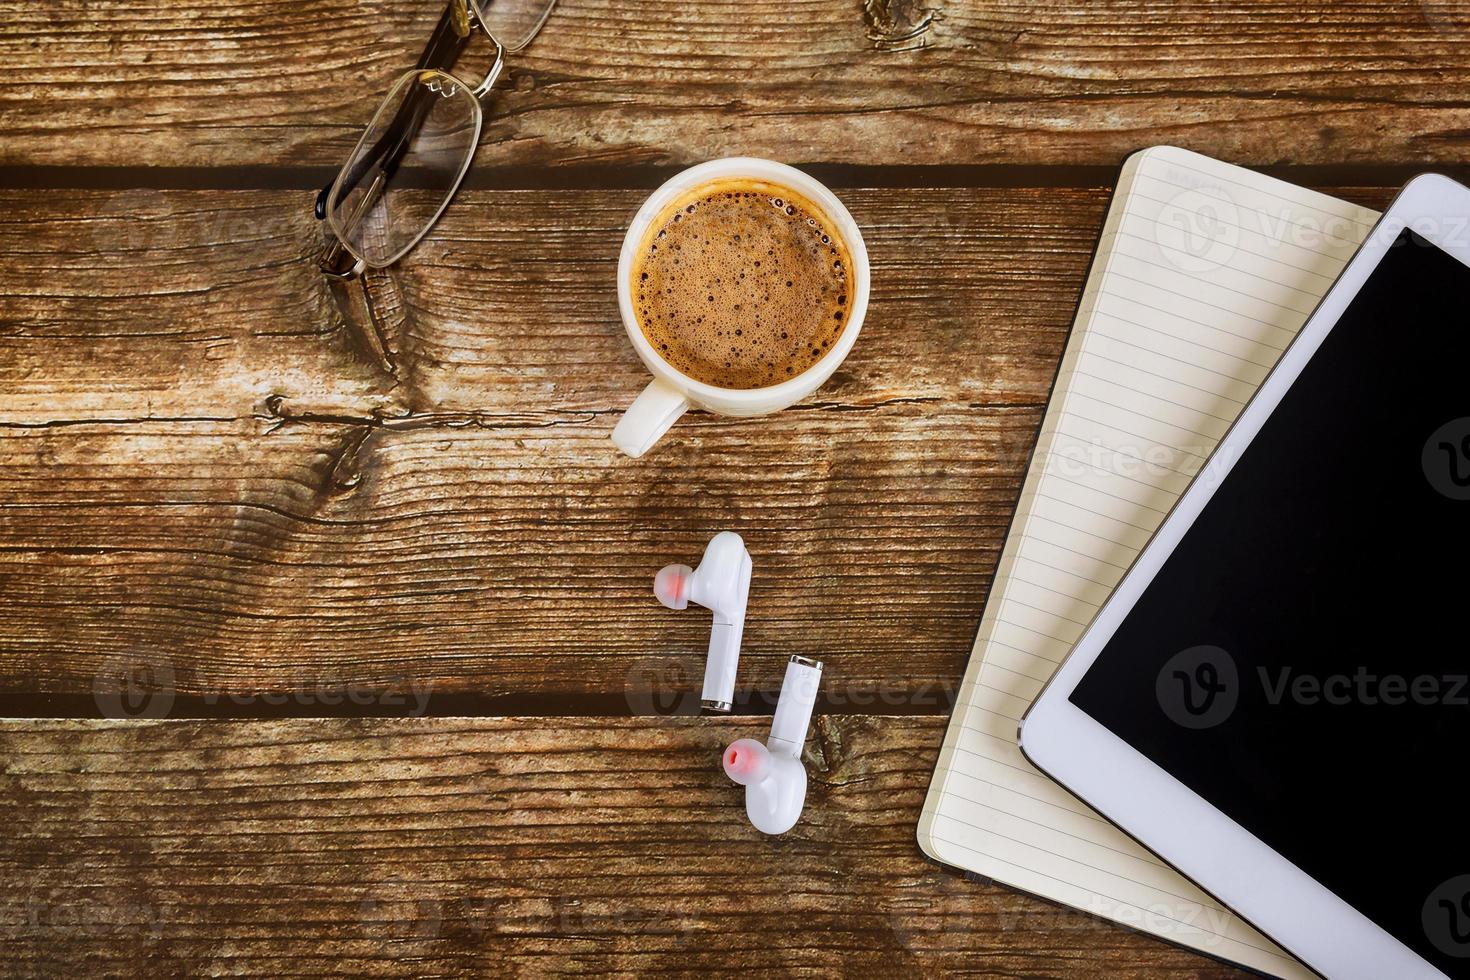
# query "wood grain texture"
(504, 846)
(504, 558)
(206, 304)
(143, 304)
(284, 82)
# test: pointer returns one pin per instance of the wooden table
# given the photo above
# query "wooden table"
(405, 701)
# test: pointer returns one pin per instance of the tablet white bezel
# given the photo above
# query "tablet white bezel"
(1130, 790)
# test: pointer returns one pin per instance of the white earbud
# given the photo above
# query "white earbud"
(721, 584)
(772, 774)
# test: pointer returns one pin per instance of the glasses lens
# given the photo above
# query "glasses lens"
(514, 23)
(406, 167)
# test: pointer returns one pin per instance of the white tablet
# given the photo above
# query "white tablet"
(1274, 699)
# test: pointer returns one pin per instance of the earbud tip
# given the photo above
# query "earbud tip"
(745, 760)
(671, 585)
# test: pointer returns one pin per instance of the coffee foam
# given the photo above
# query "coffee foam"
(742, 283)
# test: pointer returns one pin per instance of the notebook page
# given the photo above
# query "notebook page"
(1204, 273)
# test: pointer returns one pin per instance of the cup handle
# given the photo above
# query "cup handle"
(649, 417)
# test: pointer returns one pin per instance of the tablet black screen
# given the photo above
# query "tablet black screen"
(1300, 660)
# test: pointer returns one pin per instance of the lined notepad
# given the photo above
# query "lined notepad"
(1204, 273)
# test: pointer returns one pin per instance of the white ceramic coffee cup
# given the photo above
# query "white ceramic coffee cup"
(672, 393)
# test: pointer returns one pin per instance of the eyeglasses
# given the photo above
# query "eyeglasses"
(416, 151)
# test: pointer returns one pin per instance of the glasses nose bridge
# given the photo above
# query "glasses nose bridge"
(461, 20)
(477, 92)
(496, 66)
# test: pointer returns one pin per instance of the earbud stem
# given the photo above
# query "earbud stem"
(720, 666)
(722, 585)
(799, 691)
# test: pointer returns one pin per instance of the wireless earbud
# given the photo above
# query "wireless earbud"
(721, 584)
(772, 774)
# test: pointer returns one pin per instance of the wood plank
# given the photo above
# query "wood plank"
(206, 304)
(500, 559)
(248, 523)
(245, 82)
(505, 846)
(141, 304)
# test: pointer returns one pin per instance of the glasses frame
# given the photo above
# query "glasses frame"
(451, 36)
(391, 148)
(346, 273)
